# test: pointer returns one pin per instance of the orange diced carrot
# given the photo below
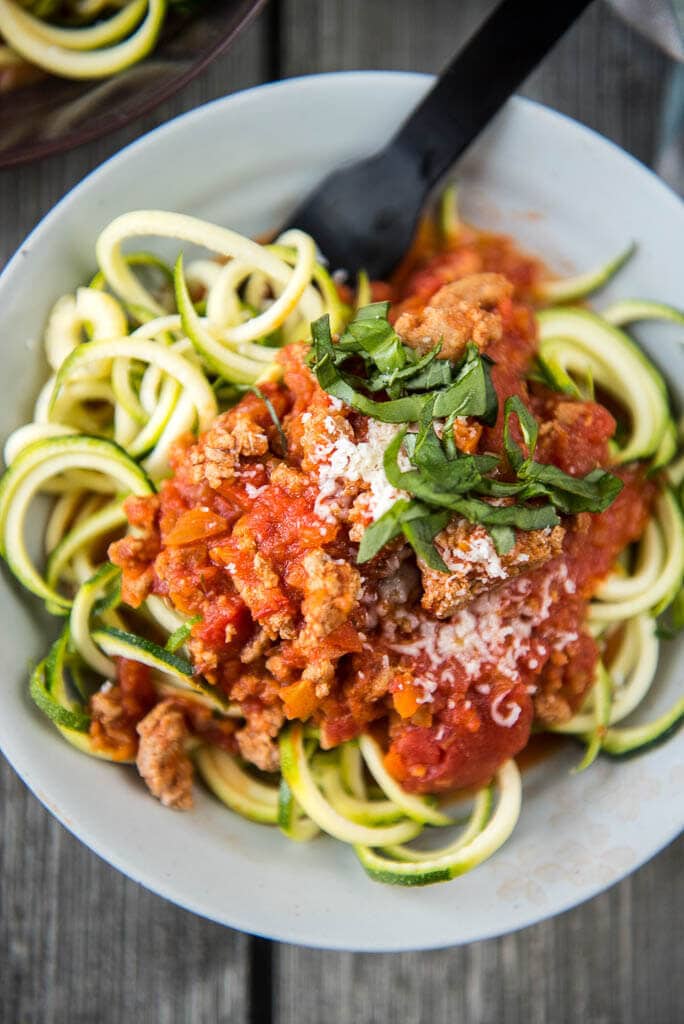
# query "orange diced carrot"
(394, 765)
(299, 699)
(405, 700)
(194, 525)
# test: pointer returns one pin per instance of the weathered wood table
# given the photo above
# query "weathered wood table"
(79, 943)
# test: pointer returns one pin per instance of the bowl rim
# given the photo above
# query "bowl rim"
(138, 871)
(30, 153)
(290, 83)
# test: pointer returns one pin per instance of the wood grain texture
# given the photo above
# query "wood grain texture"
(80, 943)
(27, 193)
(601, 73)
(610, 961)
(613, 959)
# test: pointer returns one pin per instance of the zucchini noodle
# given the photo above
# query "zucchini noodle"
(657, 575)
(90, 52)
(149, 351)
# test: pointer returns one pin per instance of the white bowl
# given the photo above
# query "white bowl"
(244, 161)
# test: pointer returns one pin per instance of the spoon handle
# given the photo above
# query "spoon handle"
(477, 82)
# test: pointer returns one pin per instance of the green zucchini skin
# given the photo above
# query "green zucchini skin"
(116, 642)
(228, 781)
(579, 286)
(629, 311)
(621, 744)
(574, 336)
(476, 844)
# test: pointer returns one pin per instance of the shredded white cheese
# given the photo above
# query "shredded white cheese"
(427, 687)
(479, 552)
(491, 631)
(254, 492)
(347, 460)
(509, 717)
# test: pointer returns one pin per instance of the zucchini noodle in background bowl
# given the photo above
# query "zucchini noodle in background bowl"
(576, 831)
(138, 673)
(79, 40)
(74, 70)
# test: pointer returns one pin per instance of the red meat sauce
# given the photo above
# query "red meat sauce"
(291, 627)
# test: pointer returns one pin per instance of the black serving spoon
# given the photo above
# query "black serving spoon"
(364, 216)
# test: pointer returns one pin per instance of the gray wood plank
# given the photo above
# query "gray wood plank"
(78, 941)
(27, 193)
(601, 73)
(605, 75)
(613, 959)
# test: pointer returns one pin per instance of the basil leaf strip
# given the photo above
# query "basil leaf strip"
(469, 393)
(421, 532)
(416, 521)
(503, 538)
(442, 481)
(372, 333)
(275, 419)
(523, 517)
(571, 494)
(382, 531)
(528, 425)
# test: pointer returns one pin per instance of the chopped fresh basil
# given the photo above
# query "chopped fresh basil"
(591, 493)
(411, 382)
(371, 333)
(421, 533)
(383, 530)
(419, 524)
(528, 425)
(472, 392)
(432, 482)
(503, 538)
(570, 494)
(523, 517)
(370, 358)
(430, 374)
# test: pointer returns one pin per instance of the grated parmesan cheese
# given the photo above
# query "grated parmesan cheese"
(479, 551)
(508, 718)
(496, 629)
(347, 460)
(428, 687)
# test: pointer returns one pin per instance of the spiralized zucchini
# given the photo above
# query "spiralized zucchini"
(89, 52)
(147, 351)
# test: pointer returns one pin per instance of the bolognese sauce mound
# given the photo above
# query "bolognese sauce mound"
(256, 535)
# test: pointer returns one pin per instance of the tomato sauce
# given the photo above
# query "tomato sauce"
(240, 538)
